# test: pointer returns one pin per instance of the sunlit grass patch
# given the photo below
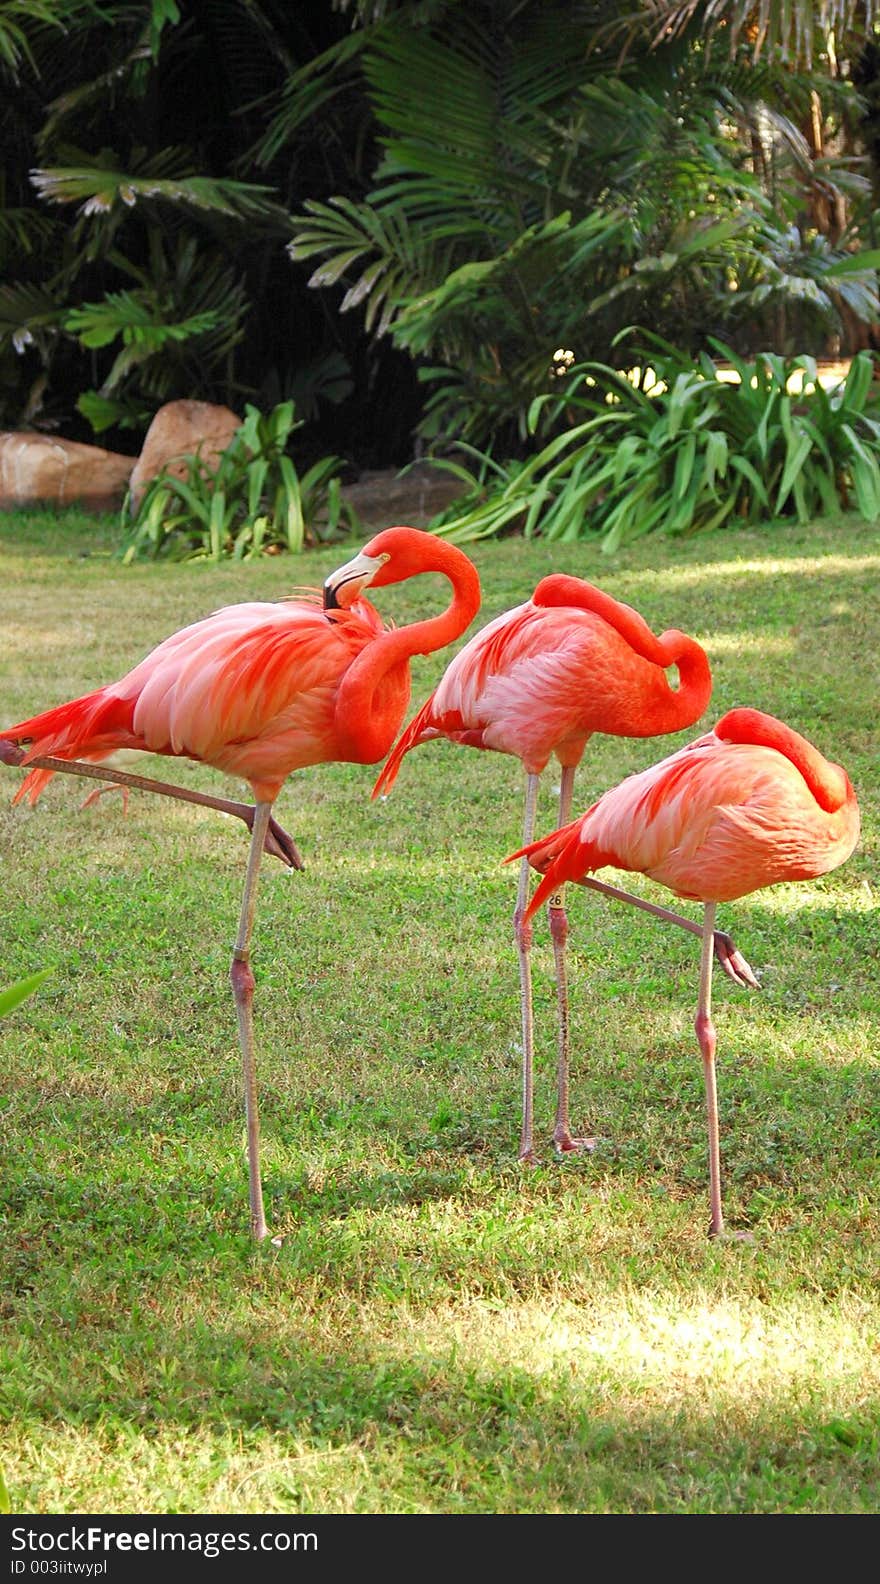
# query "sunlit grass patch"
(758, 568)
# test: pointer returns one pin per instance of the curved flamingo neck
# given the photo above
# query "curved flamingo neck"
(372, 696)
(829, 783)
(686, 703)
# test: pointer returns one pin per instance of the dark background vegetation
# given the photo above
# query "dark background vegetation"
(398, 213)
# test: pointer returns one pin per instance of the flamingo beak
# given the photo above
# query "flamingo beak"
(352, 577)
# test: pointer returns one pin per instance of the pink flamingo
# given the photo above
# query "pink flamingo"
(748, 805)
(258, 691)
(538, 681)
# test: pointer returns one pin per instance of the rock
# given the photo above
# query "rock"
(39, 467)
(386, 497)
(179, 429)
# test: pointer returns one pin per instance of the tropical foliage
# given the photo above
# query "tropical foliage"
(467, 188)
(570, 193)
(140, 258)
(681, 446)
(253, 502)
(795, 30)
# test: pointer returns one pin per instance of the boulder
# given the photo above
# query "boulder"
(385, 497)
(180, 429)
(38, 467)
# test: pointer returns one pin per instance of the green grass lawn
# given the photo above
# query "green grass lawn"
(441, 1330)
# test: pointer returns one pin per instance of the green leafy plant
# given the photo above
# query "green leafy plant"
(796, 292)
(595, 168)
(174, 330)
(127, 259)
(570, 194)
(253, 502)
(680, 446)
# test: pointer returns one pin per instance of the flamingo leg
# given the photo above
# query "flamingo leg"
(706, 1035)
(559, 935)
(522, 931)
(278, 843)
(242, 979)
(732, 961)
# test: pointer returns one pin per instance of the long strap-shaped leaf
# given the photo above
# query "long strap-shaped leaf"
(14, 994)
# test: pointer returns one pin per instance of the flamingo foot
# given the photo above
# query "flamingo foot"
(733, 962)
(99, 792)
(279, 845)
(566, 1145)
(723, 1236)
(277, 842)
(528, 1158)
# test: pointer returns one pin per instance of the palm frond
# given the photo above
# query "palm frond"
(18, 20)
(399, 259)
(480, 131)
(794, 28)
(121, 314)
(174, 329)
(24, 230)
(99, 190)
(309, 91)
(478, 292)
(807, 271)
(29, 314)
(117, 78)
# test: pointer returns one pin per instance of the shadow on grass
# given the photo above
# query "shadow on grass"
(105, 1176)
(431, 1431)
(137, 1313)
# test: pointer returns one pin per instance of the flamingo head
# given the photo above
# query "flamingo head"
(390, 557)
(344, 584)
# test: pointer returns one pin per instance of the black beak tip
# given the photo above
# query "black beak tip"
(330, 600)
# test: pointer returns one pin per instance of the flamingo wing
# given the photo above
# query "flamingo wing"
(535, 681)
(249, 689)
(712, 822)
(452, 711)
